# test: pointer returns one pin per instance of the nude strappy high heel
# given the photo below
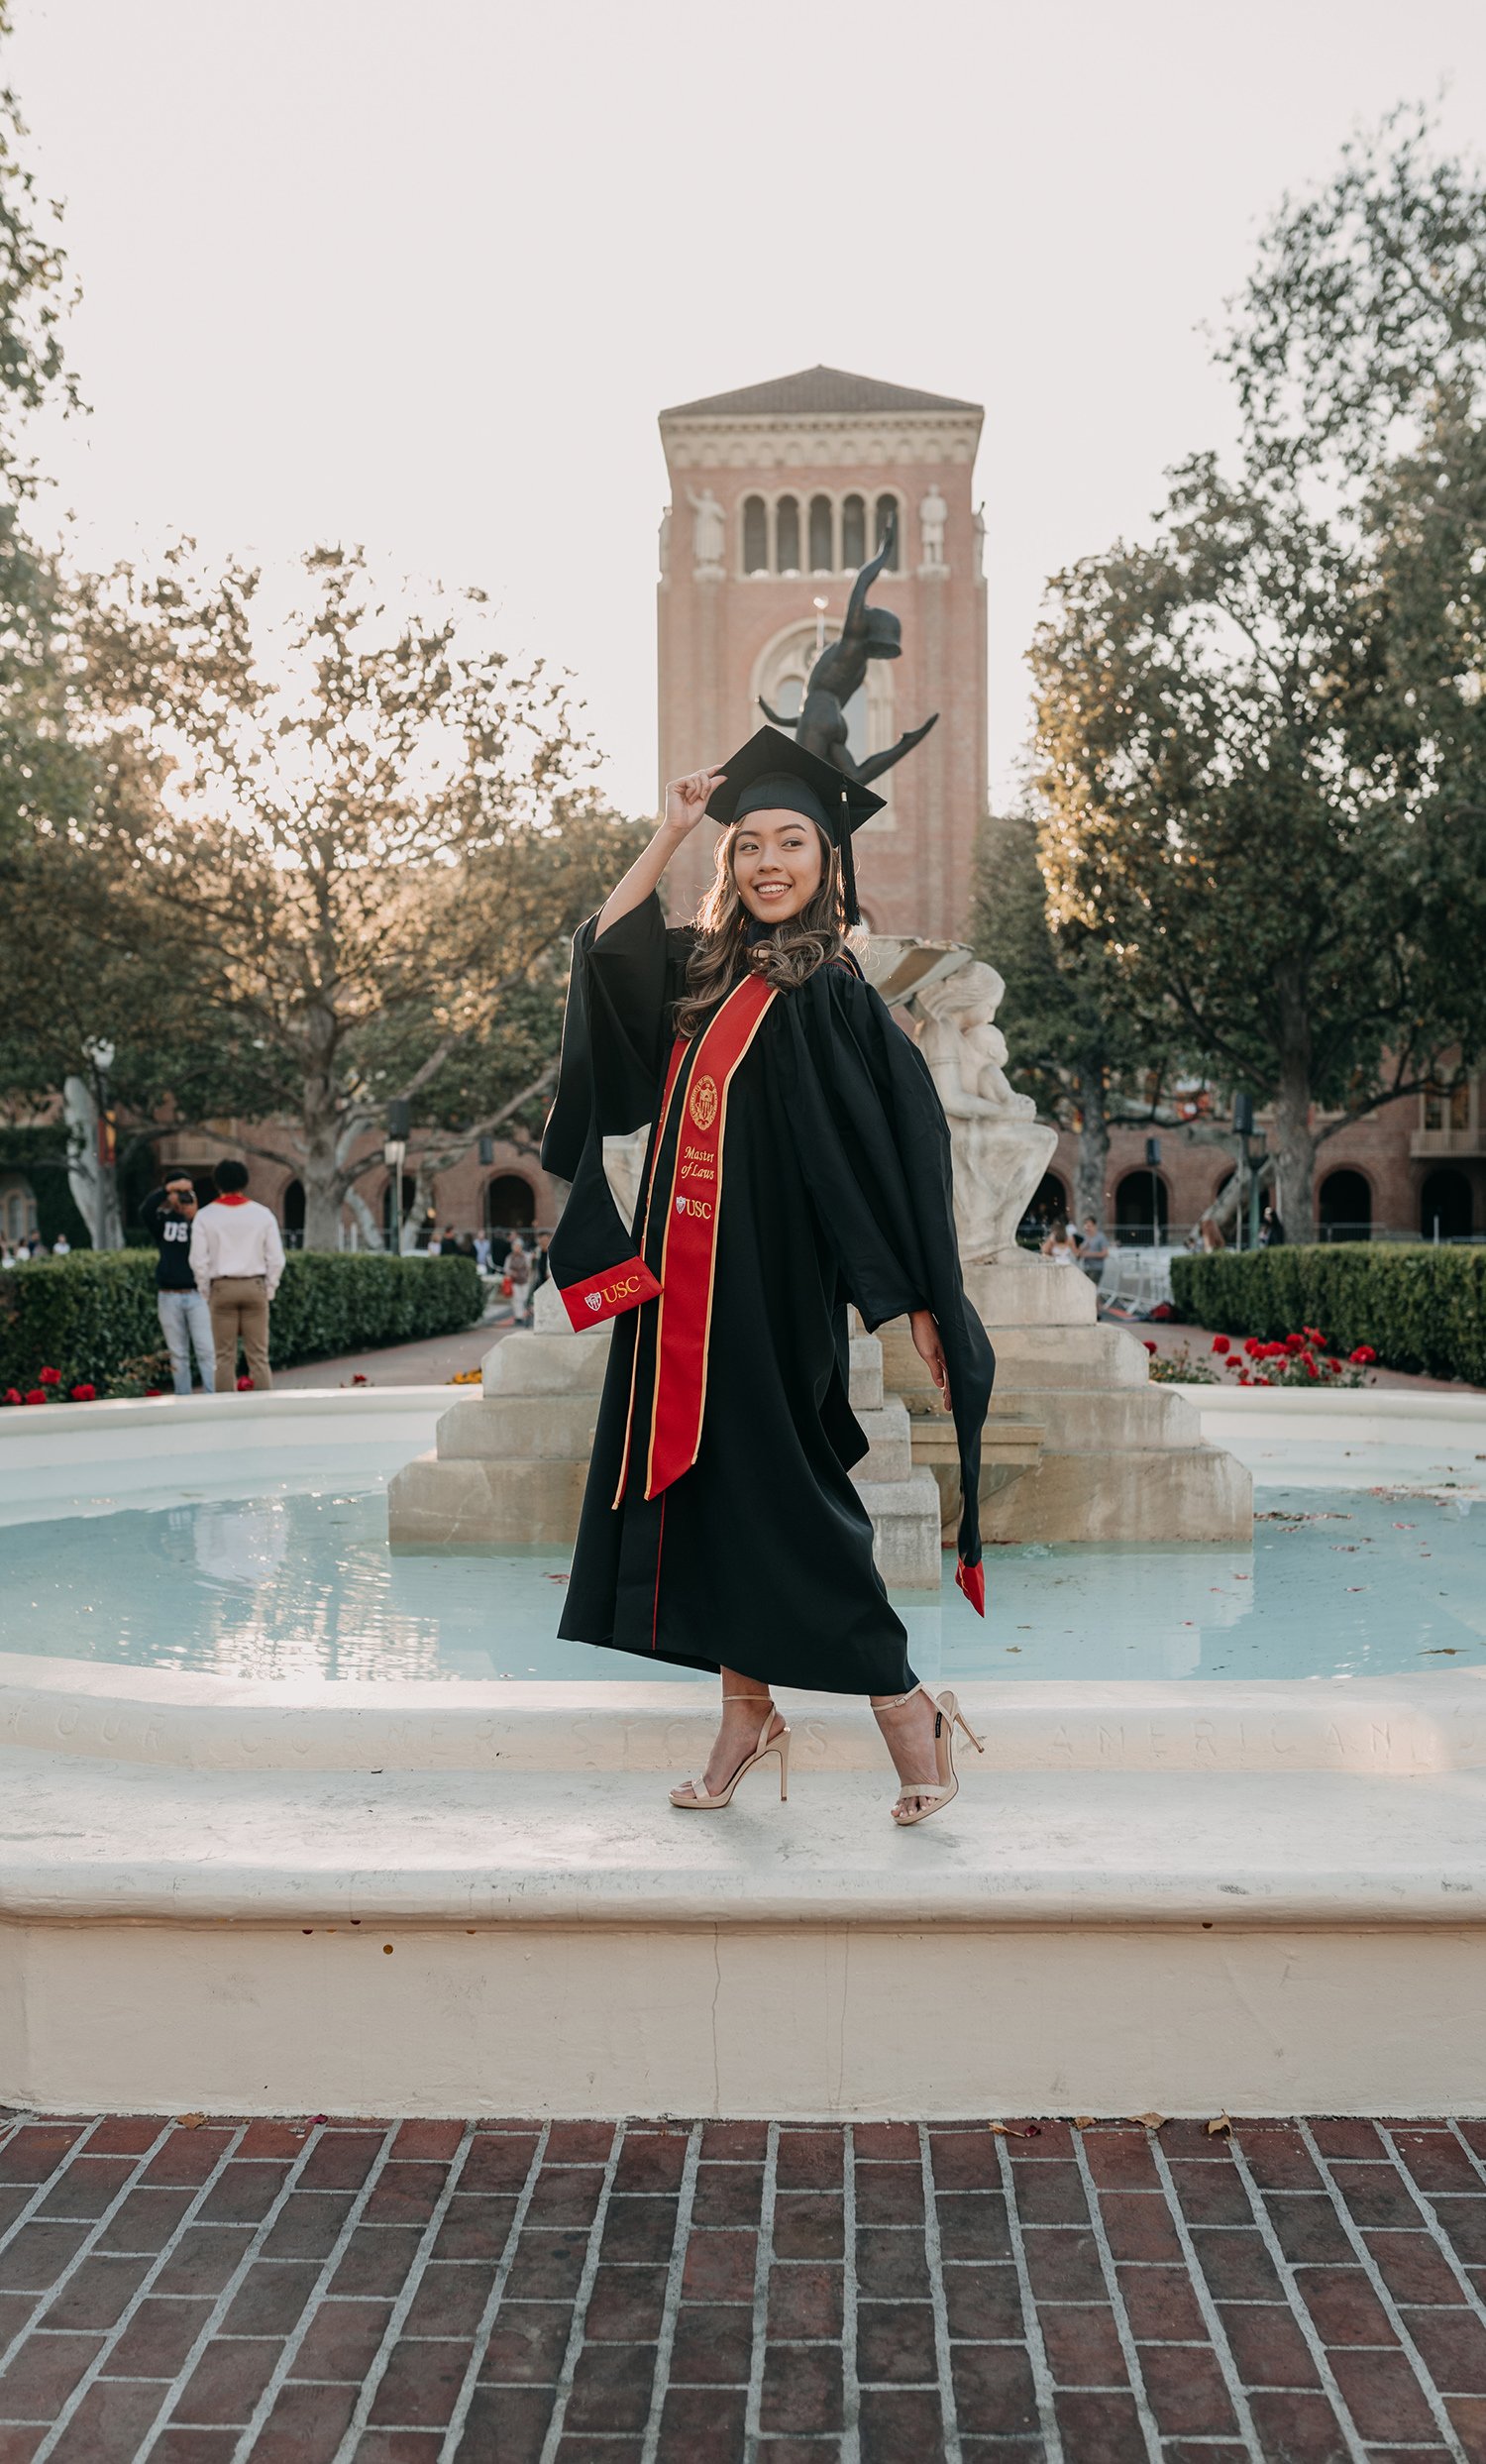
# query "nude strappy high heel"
(947, 1715)
(700, 1802)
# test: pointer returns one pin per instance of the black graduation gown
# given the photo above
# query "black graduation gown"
(836, 1188)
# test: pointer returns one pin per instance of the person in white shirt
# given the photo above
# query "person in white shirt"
(236, 1258)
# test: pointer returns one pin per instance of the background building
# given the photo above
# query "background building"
(779, 494)
(1414, 1170)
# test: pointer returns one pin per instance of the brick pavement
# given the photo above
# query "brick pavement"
(587, 2292)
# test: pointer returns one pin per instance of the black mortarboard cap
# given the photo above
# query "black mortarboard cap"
(770, 772)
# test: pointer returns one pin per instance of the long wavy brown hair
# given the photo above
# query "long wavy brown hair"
(792, 952)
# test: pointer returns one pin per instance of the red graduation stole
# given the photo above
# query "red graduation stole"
(697, 1080)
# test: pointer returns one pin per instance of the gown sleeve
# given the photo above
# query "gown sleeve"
(616, 1030)
(874, 1147)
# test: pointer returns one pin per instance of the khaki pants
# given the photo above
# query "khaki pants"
(240, 1307)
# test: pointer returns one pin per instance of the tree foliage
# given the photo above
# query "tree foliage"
(1260, 734)
(355, 841)
(1077, 1043)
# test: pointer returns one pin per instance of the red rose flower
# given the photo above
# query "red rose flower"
(245, 1385)
(153, 1390)
(1314, 1335)
(1219, 1343)
(12, 1394)
(1149, 1346)
(1253, 1346)
(1294, 1342)
(1335, 1367)
(37, 1394)
(50, 1377)
(84, 1394)
(1310, 1367)
(1363, 1357)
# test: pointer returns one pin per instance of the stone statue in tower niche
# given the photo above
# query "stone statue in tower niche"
(866, 633)
(933, 513)
(708, 535)
(999, 1148)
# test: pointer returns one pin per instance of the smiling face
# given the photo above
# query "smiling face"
(777, 860)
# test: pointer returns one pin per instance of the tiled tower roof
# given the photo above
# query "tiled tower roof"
(812, 393)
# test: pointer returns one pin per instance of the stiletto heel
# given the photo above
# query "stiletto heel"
(947, 1717)
(700, 1802)
(960, 1720)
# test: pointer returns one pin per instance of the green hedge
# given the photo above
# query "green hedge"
(1418, 1307)
(88, 1314)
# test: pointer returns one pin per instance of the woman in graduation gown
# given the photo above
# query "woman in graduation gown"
(798, 1161)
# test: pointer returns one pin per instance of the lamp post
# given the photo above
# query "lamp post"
(394, 1154)
(99, 1051)
(1252, 1153)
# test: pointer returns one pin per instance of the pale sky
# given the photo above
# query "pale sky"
(421, 273)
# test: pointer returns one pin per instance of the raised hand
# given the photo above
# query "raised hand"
(686, 799)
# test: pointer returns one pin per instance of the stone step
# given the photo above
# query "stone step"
(1195, 1493)
(510, 1468)
(479, 1504)
(865, 1388)
(532, 1364)
(501, 1941)
(519, 1429)
(1081, 1419)
(1029, 1360)
(536, 1363)
(890, 1443)
(904, 1529)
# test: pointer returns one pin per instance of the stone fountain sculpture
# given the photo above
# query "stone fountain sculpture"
(1000, 1149)
(1079, 1445)
(819, 725)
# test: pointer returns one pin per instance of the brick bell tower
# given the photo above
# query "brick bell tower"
(779, 494)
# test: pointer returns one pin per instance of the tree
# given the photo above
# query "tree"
(363, 834)
(1260, 736)
(1078, 1044)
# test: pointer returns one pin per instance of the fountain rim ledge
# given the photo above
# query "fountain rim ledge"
(1416, 1726)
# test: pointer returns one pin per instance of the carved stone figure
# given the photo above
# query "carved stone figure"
(708, 534)
(999, 1149)
(933, 513)
(866, 633)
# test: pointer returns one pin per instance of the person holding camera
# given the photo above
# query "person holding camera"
(167, 1215)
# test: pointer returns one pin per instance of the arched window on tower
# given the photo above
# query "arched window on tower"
(854, 533)
(755, 535)
(887, 506)
(787, 535)
(823, 545)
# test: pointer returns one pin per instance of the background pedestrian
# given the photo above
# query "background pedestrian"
(1093, 1249)
(168, 1215)
(236, 1258)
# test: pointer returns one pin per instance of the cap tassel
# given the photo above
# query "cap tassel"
(848, 866)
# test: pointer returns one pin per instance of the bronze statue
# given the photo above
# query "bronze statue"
(868, 633)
